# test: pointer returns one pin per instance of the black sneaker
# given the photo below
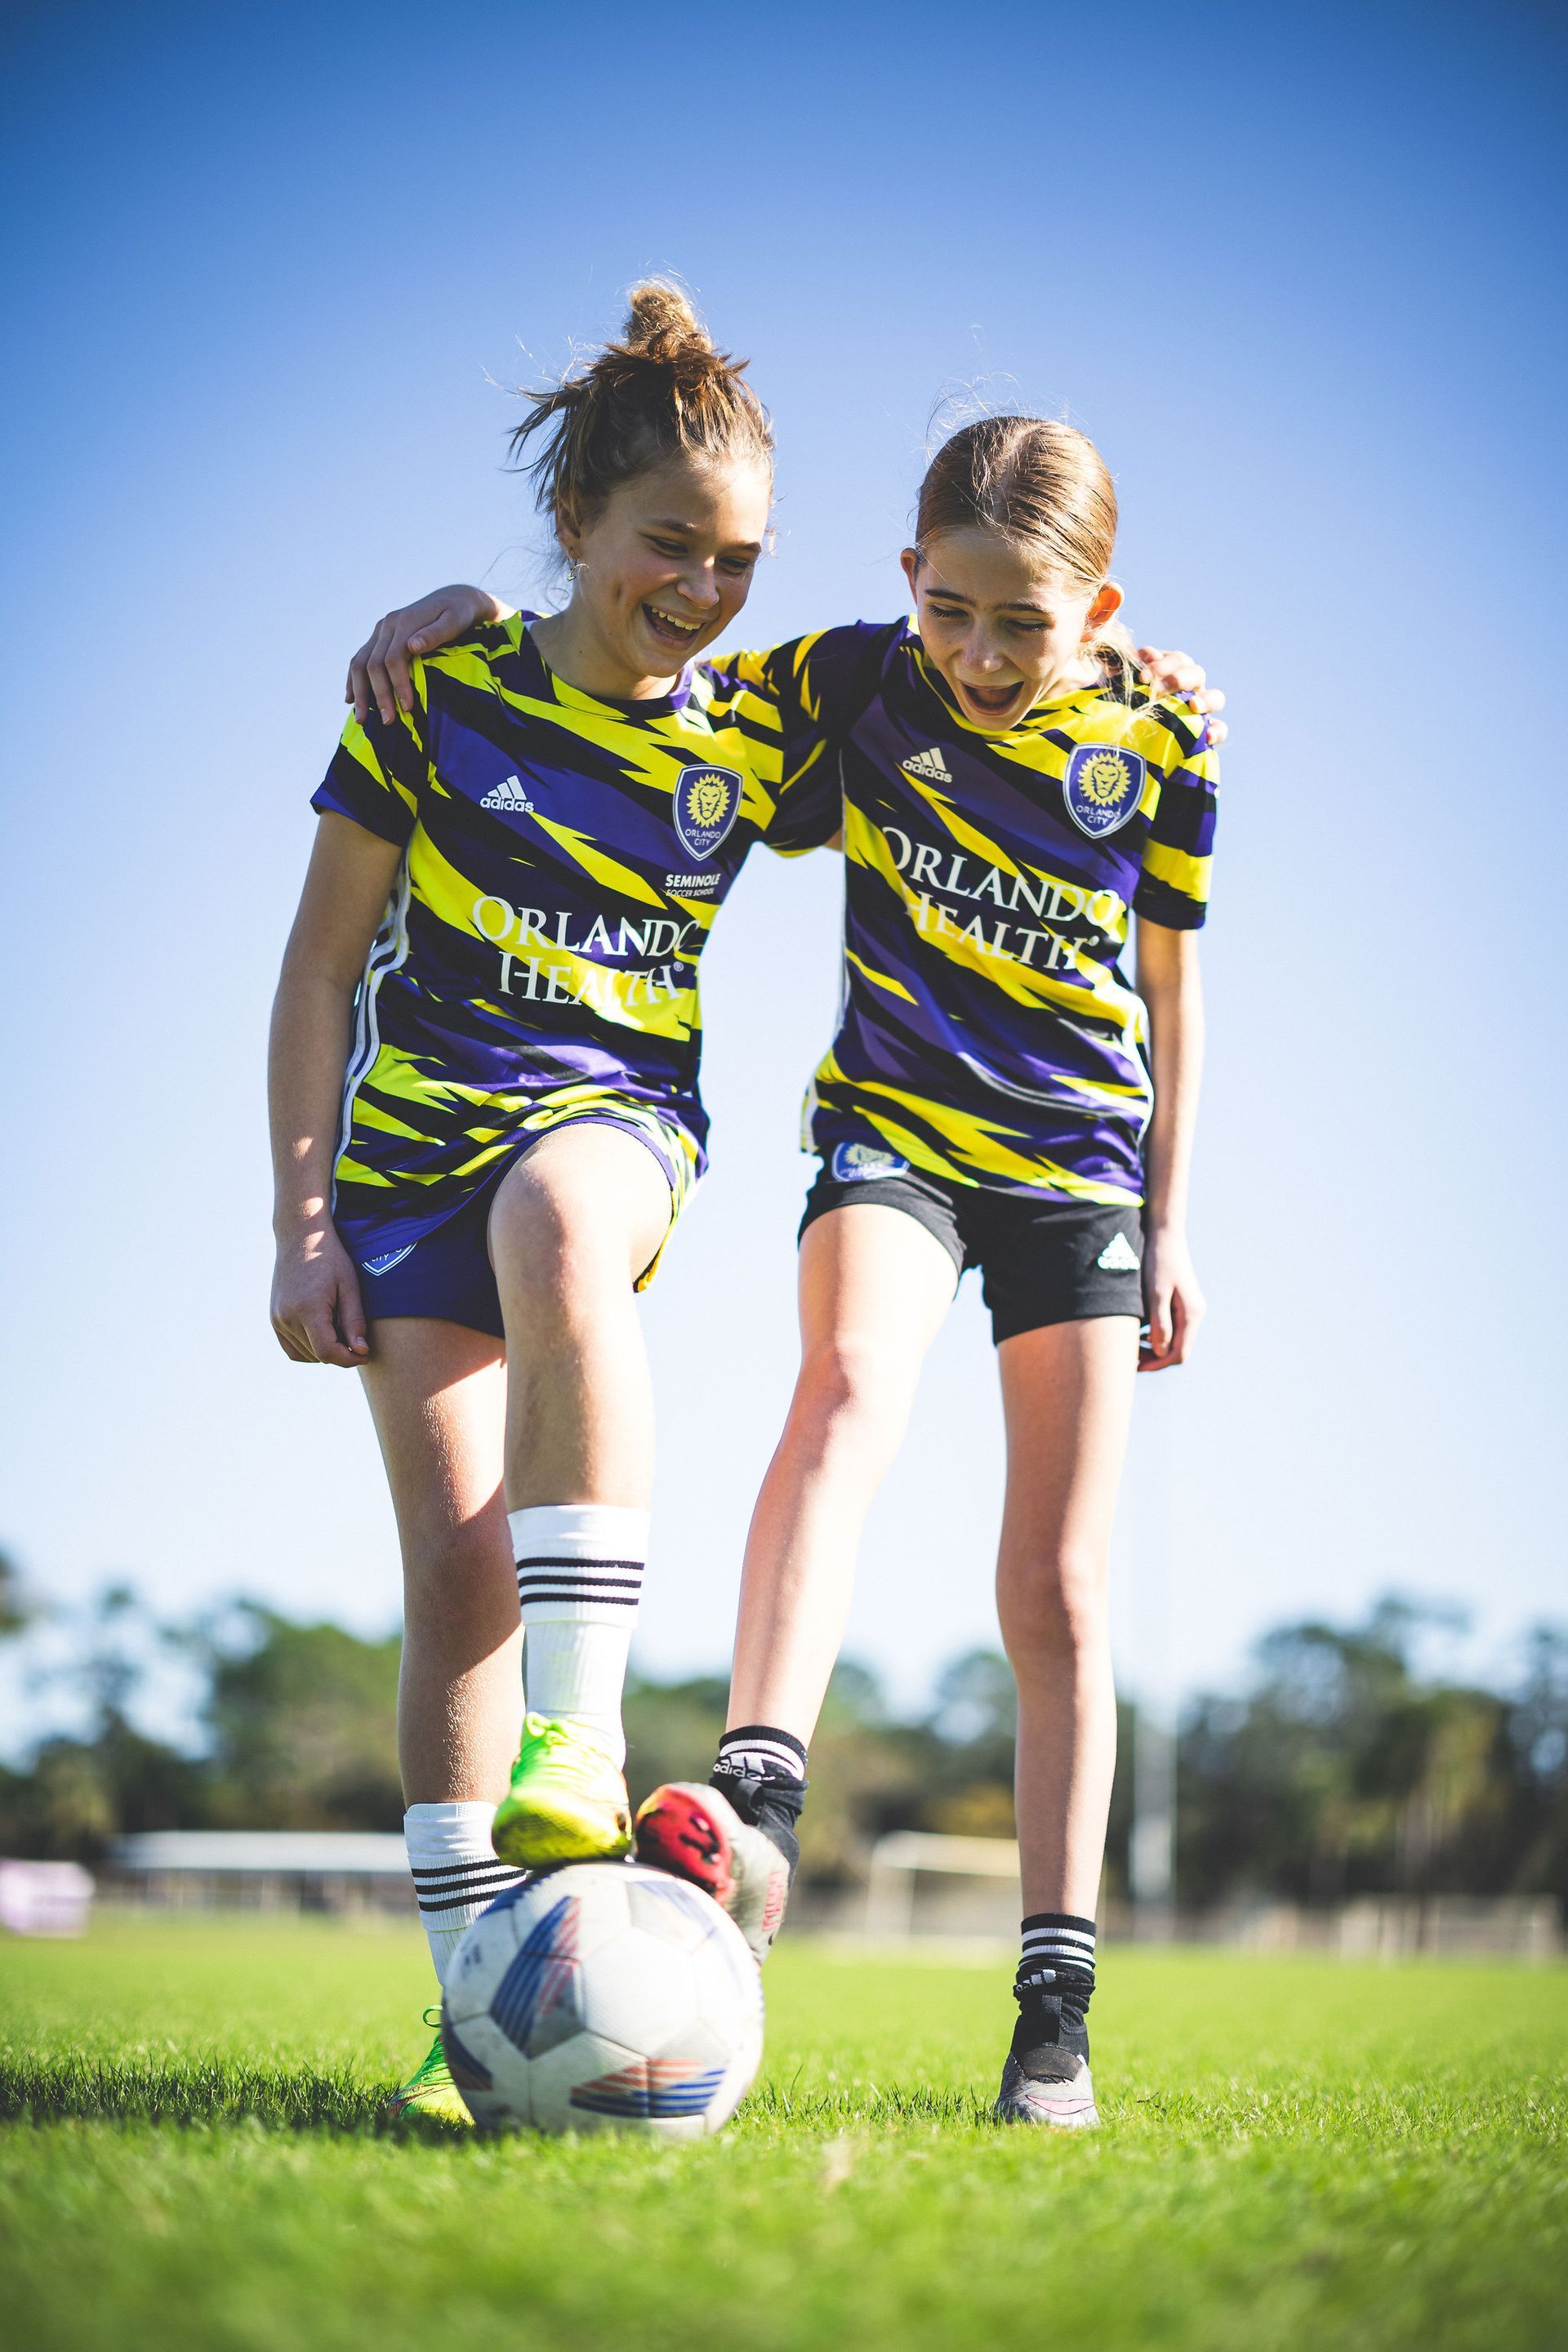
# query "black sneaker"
(1046, 2079)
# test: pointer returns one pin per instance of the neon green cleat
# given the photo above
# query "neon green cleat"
(430, 2090)
(567, 1801)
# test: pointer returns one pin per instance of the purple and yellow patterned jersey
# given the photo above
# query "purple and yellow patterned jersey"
(564, 860)
(989, 1033)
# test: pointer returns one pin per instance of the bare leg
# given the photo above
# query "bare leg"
(1067, 1392)
(573, 1224)
(874, 1287)
(437, 1396)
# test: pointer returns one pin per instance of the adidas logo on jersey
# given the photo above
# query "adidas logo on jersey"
(929, 765)
(509, 796)
(1119, 1256)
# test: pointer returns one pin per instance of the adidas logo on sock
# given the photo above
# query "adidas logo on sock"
(509, 796)
(1119, 1256)
(930, 765)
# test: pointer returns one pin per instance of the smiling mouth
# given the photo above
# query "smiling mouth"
(667, 629)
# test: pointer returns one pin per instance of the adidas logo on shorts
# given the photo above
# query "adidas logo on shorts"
(509, 796)
(929, 766)
(1119, 1256)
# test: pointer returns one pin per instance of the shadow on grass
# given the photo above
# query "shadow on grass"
(821, 2110)
(197, 2092)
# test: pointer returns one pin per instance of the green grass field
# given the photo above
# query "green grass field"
(1294, 2153)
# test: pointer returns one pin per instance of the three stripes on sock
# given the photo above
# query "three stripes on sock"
(759, 1752)
(456, 1872)
(579, 1578)
(1059, 1956)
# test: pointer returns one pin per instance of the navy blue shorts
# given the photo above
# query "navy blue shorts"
(447, 1273)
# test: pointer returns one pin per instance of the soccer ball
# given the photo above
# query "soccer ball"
(603, 1997)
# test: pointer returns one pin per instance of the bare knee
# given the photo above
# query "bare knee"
(459, 1576)
(1053, 1609)
(849, 1394)
(548, 1256)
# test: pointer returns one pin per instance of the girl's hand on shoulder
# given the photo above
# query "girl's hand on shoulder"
(1173, 1301)
(317, 1312)
(379, 671)
(1178, 674)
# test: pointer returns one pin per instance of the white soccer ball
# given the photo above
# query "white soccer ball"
(603, 1997)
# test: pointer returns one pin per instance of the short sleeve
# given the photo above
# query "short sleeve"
(797, 703)
(1173, 888)
(377, 771)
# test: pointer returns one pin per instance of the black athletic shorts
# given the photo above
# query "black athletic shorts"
(1041, 1261)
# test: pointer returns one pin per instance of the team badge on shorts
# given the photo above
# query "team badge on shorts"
(1103, 787)
(855, 1162)
(384, 1264)
(707, 802)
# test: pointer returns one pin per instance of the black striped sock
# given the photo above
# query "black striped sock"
(760, 1751)
(761, 1771)
(1058, 1957)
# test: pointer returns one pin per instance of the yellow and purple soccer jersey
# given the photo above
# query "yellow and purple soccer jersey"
(988, 1033)
(563, 859)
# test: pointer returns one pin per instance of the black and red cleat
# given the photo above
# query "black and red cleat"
(694, 1831)
(681, 1829)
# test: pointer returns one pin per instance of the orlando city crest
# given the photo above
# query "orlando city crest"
(707, 802)
(855, 1163)
(1103, 787)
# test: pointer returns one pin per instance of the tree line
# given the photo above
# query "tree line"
(1342, 1765)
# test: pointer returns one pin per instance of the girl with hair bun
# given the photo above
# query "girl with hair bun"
(484, 1097)
(1010, 792)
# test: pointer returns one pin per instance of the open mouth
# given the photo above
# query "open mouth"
(676, 634)
(990, 701)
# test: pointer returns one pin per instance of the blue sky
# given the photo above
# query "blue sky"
(1294, 270)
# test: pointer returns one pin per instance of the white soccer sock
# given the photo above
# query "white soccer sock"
(579, 1574)
(456, 1872)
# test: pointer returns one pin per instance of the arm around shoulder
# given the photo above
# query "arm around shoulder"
(380, 672)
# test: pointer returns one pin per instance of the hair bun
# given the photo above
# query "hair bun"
(661, 391)
(657, 312)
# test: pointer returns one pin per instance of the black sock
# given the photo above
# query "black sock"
(761, 1771)
(1048, 2024)
(1057, 1960)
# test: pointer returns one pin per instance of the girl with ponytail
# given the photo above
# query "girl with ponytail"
(1011, 794)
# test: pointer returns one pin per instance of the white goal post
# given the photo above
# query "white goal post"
(898, 1859)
